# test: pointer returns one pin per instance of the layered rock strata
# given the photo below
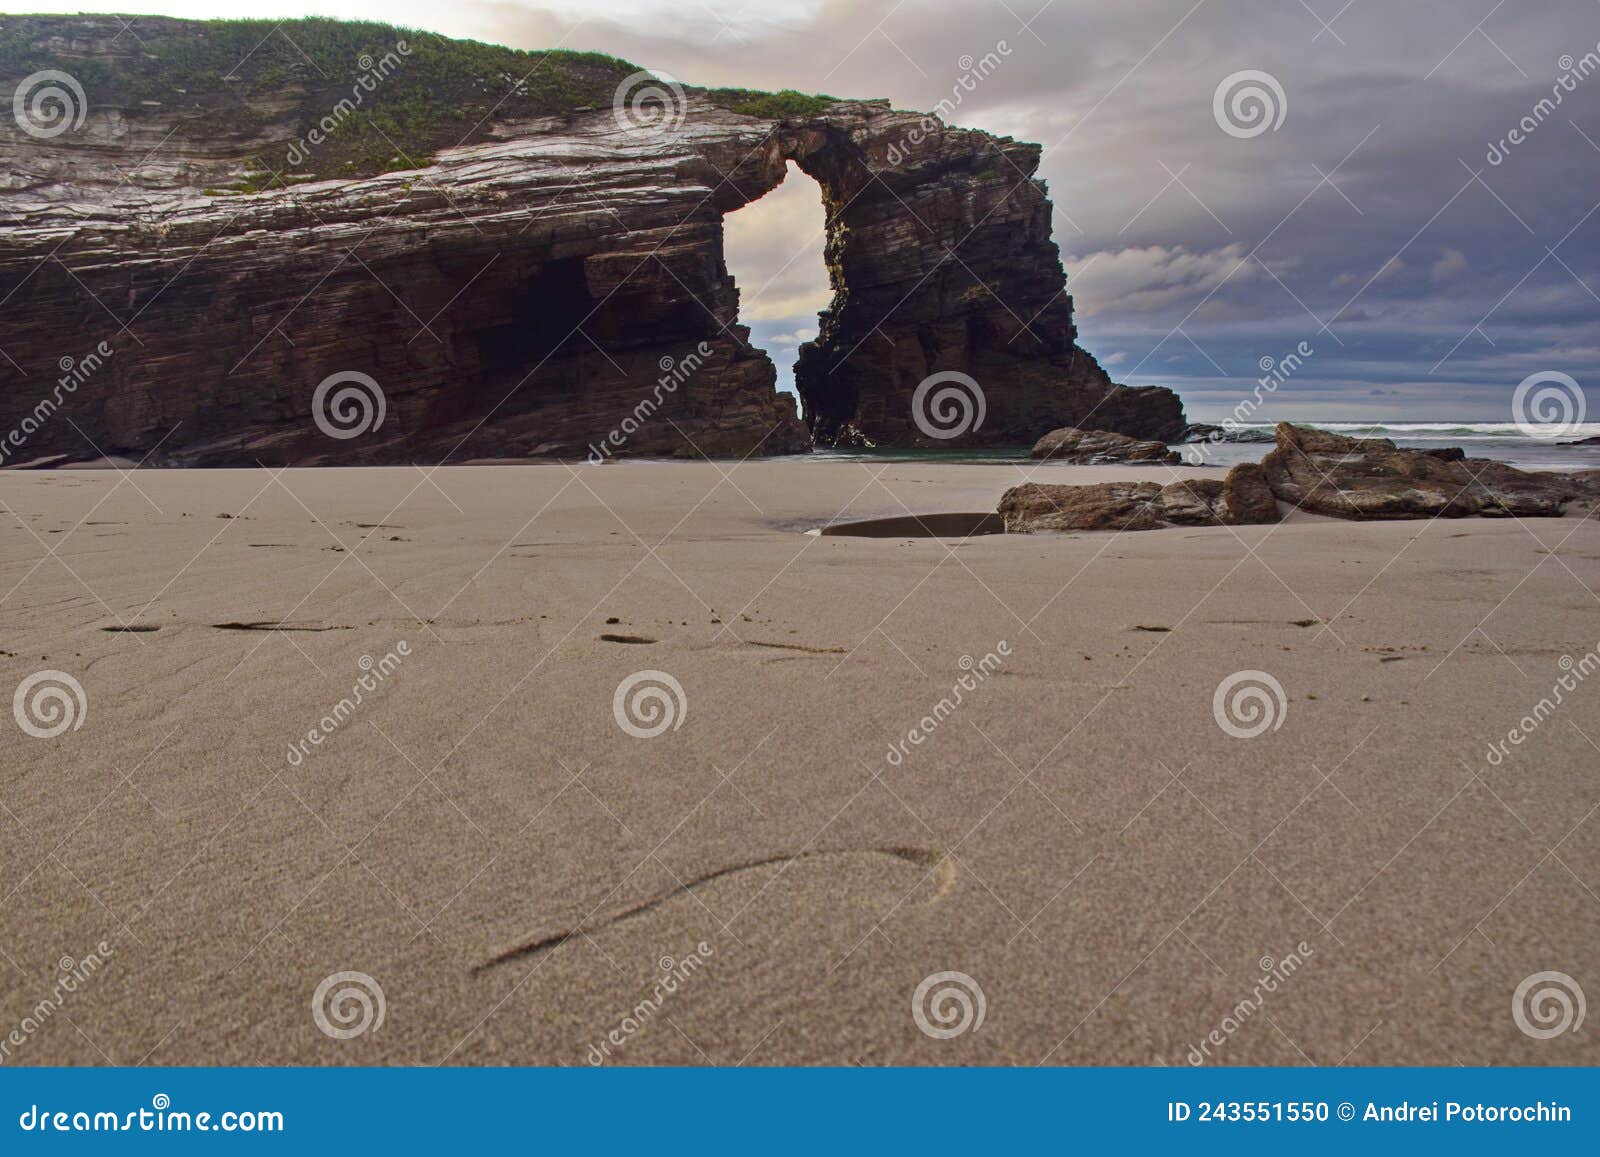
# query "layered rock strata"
(1370, 478)
(555, 285)
(1318, 472)
(1091, 447)
(1240, 499)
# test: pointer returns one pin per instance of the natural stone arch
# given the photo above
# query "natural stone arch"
(941, 261)
(521, 295)
(940, 257)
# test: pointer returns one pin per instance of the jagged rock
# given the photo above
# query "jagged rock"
(1035, 506)
(1191, 502)
(554, 284)
(1069, 444)
(1239, 499)
(1370, 478)
(1362, 478)
(1247, 495)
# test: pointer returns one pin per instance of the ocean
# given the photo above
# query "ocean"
(1503, 441)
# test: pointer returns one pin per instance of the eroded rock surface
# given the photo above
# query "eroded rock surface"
(1069, 444)
(1370, 478)
(553, 285)
(1247, 495)
(1315, 471)
(1239, 499)
(945, 262)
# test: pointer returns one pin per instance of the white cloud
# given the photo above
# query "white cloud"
(1153, 277)
(773, 248)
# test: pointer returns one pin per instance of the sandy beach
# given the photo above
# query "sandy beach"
(515, 870)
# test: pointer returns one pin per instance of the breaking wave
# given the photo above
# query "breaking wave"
(1430, 431)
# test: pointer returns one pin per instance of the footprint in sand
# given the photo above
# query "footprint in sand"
(937, 866)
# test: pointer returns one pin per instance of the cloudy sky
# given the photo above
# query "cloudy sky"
(1371, 223)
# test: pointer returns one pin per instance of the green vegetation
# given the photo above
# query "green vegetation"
(769, 105)
(315, 98)
(344, 92)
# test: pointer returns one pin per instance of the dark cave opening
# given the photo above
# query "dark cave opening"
(544, 314)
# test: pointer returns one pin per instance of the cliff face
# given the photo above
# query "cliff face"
(941, 263)
(553, 285)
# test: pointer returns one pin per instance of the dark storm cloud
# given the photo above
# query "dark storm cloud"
(1359, 225)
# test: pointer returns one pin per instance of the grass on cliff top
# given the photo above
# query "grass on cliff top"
(378, 109)
(279, 80)
(769, 105)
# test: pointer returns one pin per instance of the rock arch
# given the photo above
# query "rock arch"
(941, 261)
(556, 289)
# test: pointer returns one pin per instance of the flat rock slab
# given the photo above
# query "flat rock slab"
(1239, 499)
(1371, 478)
(1092, 447)
(1316, 472)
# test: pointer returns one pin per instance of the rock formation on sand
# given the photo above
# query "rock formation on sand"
(1240, 498)
(522, 252)
(1091, 447)
(1369, 478)
(1323, 473)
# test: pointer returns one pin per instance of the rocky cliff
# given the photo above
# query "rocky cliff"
(322, 242)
